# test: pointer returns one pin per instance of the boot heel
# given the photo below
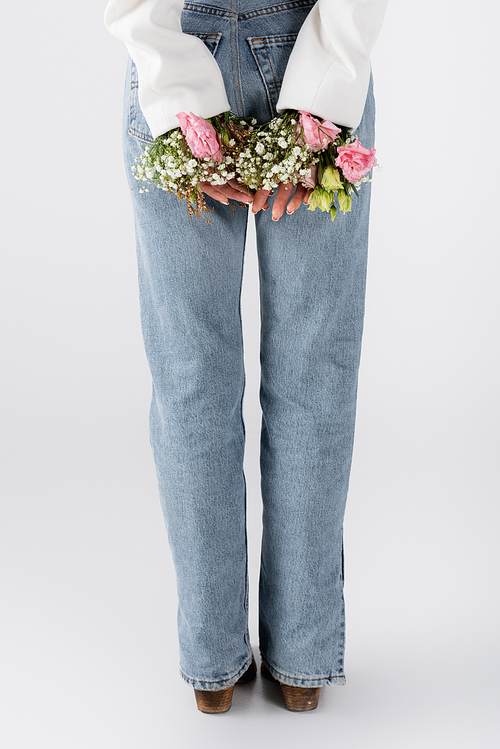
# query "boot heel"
(300, 699)
(220, 701)
(297, 699)
(214, 702)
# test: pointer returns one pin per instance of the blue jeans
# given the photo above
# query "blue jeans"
(312, 287)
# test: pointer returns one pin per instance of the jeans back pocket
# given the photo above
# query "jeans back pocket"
(211, 39)
(271, 55)
(137, 125)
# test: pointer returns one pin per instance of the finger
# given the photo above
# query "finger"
(281, 199)
(224, 192)
(235, 194)
(301, 195)
(238, 186)
(213, 192)
(260, 201)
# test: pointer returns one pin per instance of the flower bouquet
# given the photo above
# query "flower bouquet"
(196, 152)
(293, 148)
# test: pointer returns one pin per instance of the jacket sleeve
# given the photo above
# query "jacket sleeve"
(176, 71)
(328, 72)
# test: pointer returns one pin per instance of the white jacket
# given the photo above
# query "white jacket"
(327, 74)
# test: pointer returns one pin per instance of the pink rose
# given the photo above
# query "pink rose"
(355, 160)
(200, 136)
(317, 135)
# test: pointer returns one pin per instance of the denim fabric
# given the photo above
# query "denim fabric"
(312, 286)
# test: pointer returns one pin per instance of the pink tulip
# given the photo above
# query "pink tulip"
(355, 160)
(200, 136)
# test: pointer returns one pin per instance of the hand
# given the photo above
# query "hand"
(231, 189)
(285, 190)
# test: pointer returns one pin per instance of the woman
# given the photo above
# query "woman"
(256, 58)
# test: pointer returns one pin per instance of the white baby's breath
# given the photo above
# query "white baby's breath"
(258, 157)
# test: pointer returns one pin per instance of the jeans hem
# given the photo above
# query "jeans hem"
(215, 686)
(304, 681)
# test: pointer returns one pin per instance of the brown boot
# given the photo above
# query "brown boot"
(297, 699)
(214, 702)
(220, 701)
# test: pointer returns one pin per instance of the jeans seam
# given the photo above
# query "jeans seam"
(195, 8)
(241, 670)
(212, 37)
(247, 582)
(207, 10)
(266, 49)
(133, 106)
(235, 68)
(277, 9)
(342, 564)
(302, 678)
(140, 135)
(277, 39)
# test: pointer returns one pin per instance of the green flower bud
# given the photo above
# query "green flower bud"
(333, 212)
(345, 201)
(321, 199)
(331, 179)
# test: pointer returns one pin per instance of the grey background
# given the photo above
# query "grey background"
(88, 645)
